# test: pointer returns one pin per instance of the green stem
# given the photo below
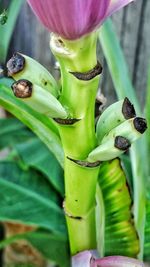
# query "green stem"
(78, 139)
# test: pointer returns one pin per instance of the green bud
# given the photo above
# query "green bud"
(118, 140)
(24, 67)
(114, 115)
(38, 99)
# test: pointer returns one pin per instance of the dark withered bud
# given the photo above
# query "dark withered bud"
(140, 124)
(122, 143)
(22, 88)
(128, 109)
(15, 64)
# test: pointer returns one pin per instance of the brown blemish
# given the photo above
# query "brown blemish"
(83, 163)
(15, 64)
(128, 109)
(22, 88)
(89, 75)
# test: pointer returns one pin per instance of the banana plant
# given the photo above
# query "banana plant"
(96, 212)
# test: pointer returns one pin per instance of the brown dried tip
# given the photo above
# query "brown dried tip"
(128, 109)
(140, 124)
(122, 143)
(89, 75)
(85, 163)
(15, 64)
(22, 88)
(66, 121)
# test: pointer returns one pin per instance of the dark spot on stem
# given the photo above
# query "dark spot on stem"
(68, 214)
(140, 124)
(66, 121)
(122, 143)
(85, 163)
(89, 75)
(15, 64)
(128, 109)
(22, 88)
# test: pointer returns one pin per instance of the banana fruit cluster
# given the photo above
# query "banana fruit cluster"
(117, 128)
(35, 86)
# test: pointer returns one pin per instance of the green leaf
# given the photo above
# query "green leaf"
(147, 222)
(44, 127)
(6, 30)
(6, 81)
(147, 233)
(120, 235)
(147, 110)
(28, 198)
(117, 64)
(126, 164)
(138, 152)
(50, 245)
(13, 131)
(31, 151)
(35, 154)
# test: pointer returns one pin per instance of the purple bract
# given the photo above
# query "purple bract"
(86, 259)
(72, 19)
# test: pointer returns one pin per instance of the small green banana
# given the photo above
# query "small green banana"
(24, 67)
(118, 140)
(38, 99)
(114, 115)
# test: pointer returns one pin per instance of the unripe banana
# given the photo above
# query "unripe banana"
(109, 150)
(114, 115)
(118, 140)
(38, 99)
(131, 129)
(24, 67)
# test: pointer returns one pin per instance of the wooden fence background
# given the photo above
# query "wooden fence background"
(133, 28)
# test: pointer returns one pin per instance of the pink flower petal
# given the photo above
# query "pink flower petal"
(117, 261)
(82, 259)
(87, 259)
(115, 5)
(74, 18)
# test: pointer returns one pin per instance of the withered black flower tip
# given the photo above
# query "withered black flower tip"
(140, 124)
(66, 121)
(89, 75)
(128, 109)
(85, 163)
(22, 88)
(122, 143)
(15, 64)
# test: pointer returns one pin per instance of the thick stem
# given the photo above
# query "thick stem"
(77, 59)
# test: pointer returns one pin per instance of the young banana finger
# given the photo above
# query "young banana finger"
(118, 140)
(24, 67)
(114, 115)
(38, 99)
(131, 129)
